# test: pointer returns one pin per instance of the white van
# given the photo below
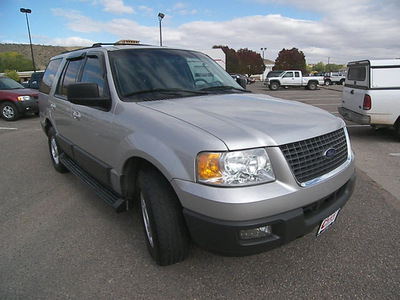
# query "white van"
(371, 95)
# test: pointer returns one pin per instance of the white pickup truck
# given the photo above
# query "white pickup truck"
(371, 95)
(293, 78)
(334, 78)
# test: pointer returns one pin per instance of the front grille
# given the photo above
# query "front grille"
(307, 158)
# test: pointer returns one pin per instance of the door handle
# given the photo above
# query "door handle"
(76, 115)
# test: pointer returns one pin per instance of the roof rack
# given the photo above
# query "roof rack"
(119, 43)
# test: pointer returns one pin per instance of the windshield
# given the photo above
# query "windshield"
(172, 73)
(9, 84)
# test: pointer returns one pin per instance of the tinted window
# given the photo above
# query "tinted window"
(9, 84)
(92, 72)
(288, 74)
(49, 75)
(356, 73)
(70, 75)
(139, 71)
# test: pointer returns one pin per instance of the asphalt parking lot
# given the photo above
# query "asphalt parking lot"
(58, 240)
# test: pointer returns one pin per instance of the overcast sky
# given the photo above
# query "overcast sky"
(334, 30)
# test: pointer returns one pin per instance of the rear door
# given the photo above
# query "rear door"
(356, 86)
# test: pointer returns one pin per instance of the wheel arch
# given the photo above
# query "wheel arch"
(129, 178)
(273, 82)
(310, 83)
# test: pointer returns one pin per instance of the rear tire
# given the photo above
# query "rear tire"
(9, 111)
(167, 236)
(55, 152)
(397, 130)
(312, 86)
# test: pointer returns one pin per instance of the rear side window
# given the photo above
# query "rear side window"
(70, 75)
(49, 75)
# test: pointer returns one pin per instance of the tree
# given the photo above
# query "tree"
(292, 59)
(232, 60)
(333, 67)
(250, 62)
(12, 74)
(244, 61)
(14, 61)
(319, 67)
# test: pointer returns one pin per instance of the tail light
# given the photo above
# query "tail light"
(367, 102)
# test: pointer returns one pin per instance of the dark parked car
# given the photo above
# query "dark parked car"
(34, 81)
(241, 79)
(16, 100)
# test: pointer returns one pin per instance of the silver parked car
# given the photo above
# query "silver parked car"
(207, 161)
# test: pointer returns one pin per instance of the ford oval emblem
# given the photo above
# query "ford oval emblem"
(329, 153)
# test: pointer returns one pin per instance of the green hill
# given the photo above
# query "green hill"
(41, 53)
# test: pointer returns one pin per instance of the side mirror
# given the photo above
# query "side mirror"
(87, 93)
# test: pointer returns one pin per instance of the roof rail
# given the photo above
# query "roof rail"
(116, 44)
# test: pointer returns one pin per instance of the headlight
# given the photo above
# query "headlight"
(234, 168)
(23, 98)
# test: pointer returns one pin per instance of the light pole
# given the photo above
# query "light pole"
(27, 11)
(263, 49)
(160, 17)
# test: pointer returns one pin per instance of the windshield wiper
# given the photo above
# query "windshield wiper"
(166, 91)
(223, 88)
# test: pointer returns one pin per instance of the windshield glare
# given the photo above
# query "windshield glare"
(9, 84)
(139, 70)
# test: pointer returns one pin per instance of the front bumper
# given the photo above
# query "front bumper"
(222, 236)
(27, 106)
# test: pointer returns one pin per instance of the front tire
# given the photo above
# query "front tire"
(167, 236)
(274, 86)
(55, 152)
(9, 111)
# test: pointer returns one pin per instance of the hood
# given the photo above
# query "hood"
(21, 92)
(249, 120)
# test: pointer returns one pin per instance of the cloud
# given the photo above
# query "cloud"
(365, 29)
(76, 22)
(182, 9)
(116, 6)
(146, 10)
(71, 42)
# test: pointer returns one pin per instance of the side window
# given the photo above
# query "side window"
(70, 75)
(297, 74)
(288, 74)
(49, 74)
(92, 72)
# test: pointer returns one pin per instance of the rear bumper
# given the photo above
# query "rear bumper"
(222, 236)
(352, 116)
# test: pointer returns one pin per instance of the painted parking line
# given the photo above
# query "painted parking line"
(8, 128)
(394, 154)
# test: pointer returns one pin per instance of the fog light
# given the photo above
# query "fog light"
(255, 233)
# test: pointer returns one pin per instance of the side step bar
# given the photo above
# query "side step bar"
(108, 195)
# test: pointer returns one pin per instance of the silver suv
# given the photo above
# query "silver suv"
(206, 161)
